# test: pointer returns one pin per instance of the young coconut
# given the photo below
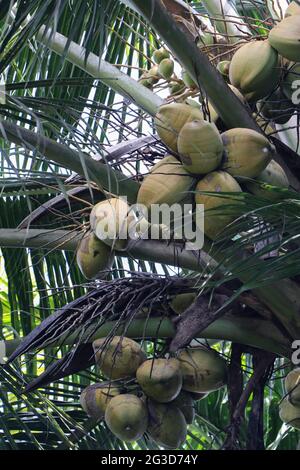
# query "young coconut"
(273, 175)
(160, 54)
(247, 152)
(200, 146)
(167, 183)
(160, 379)
(95, 398)
(292, 386)
(214, 206)
(285, 38)
(166, 68)
(109, 221)
(118, 358)
(93, 257)
(223, 67)
(127, 417)
(176, 87)
(185, 403)
(203, 370)
(254, 69)
(188, 81)
(170, 119)
(292, 9)
(167, 425)
(289, 413)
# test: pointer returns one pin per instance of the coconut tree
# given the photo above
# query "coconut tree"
(79, 96)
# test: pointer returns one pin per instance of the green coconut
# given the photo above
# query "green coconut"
(214, 218)
(127, 417)
(273, 175)
(182, 301)
(176, 87)
(167, 425)
(170, 119)
(289, 413)
(292, 9)
(93, 257)
(166, 68)
(118, 357)
(247, 152)
(203, 369)
(160, 54)
(168, 183)
(110, 221)
(285, 38)
(188, 81)
(292, 386)
(254, 69)
(223, 67)
(185, 403)
(160, 379)
(200, 146)
(95, 398)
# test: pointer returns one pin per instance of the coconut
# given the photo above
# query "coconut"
(160, 379)
(127, 417)
(217, 182)
(254, 69)
(167, 183)
(182, 301)
(188, 81)
(160, 54)
(289, 414)
(95, 398)
(292, 9)
(273, 175)
(247, 152)
(171, 118)
(285, 38)
(276, 108)
(291, 76)
(166, 68)
(292, 386)
(119, 357)
(167, 425)
(93, 256)
(200, 146)
(176, 87)
(223, 67)
(185, 403)
(110, 220)
(203, 369)
(153, 74)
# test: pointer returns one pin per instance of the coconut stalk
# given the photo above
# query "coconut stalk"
(228, 21)
(105, 177)
(100, 69)
(257, 333)
(282, 298)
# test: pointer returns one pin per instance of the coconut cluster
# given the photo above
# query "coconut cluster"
(151, 396)
(289, 410)
(208, 161)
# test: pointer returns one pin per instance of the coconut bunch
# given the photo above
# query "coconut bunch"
(152, 396)
(209, 162)
(289, 410)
